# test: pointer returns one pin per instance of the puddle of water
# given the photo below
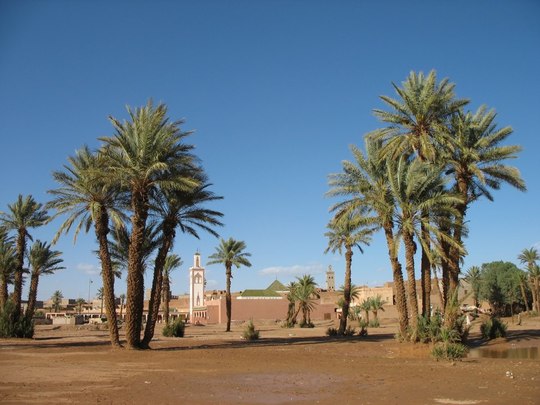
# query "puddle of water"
(513, 353)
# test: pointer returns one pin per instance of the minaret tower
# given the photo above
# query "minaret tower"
(330, 283)
(197, 306)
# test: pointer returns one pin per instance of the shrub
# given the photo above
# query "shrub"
(374, 323)
(350, 331)
(250, 333)
(174, 329)
(493, 328)
(331, 331)
(23, 328)
(306, 324)
(449, 351)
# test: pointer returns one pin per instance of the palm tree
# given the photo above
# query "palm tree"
(145, 156)
(475, 157)
(291, 297)
(377, 304)
(80, 302)
(8, 263)
(100, 296)
(417, 188)
(365, 306)
(230, 252)
(184, 210)
(529, 257)
(306, 293)
(172, 262)
(417, 122)
(346, 232)
(43, 260)
(56, 299)
(364, 184)
(474, 278)
(24, 214)
(87, 199)
(122, 302)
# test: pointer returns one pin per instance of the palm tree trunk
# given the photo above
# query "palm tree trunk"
(228, 300)
(166, 299)
(3, 290)
(455, 255)
(135, 278)
(293, 321)
(346, 292)
(157, 283)
(107, 275)
(32, 294)
(523, 295)
(411, 281)
(18, 281)
(425, 275)
(399, 285)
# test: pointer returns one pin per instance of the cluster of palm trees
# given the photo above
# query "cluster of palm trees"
(529, 258)
(141, 186)
(302, 296)
(17, 259)
(415, 181)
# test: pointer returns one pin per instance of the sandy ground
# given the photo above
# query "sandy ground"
(77, 365)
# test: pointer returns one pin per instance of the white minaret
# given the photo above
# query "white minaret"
(196, 285)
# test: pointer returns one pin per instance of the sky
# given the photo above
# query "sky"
(276, 92)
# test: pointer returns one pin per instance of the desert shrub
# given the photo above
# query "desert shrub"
(533, 313)
(331, 331)
(493, 328)
(23, 328)
(374, 323)
(250, 333)
(363, 327)
(306, 324)
(287, 324)
(174, 329)
(350, 331)
(449, 351)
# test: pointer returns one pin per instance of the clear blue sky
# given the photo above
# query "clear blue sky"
(276, 92)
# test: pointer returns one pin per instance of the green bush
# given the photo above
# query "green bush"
(493, 328)
(23, 328)
(174, 329)
(449, 351)
(250, 333)
(374, 323)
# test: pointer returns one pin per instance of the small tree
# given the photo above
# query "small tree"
(57, 300)
(80, 302)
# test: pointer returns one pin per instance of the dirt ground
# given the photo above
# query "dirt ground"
(301, 366)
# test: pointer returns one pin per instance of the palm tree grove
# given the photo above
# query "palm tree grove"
(414, 179)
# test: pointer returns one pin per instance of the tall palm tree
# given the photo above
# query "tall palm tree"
(475, 157)
(417, 126)
(474, 278)
(100, 295)
(184, 210)
(529, 257)
(8, 263)
(230, 252)
(346, 232)
(145, 156)
(172, 262)
(43, 260)
(88, 199)
(24, 214)
(56, 299)
(417, 188)
(364, 185)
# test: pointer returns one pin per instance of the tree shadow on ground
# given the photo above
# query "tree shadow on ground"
(279, 341)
